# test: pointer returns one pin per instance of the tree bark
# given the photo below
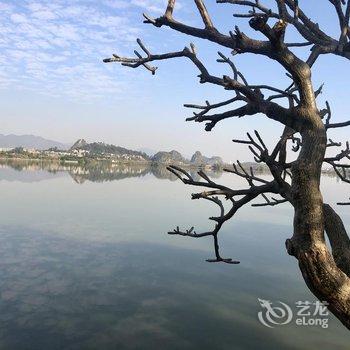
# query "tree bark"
(338, 238)
(325, 274)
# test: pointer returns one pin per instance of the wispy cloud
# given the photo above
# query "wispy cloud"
(155, 6)
(55, 47)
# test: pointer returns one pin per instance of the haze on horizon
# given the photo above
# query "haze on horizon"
(53, 82)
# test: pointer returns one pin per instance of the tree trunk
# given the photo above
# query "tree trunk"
(324, 273)
(338, 238)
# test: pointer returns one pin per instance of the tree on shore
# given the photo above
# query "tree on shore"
(325, 271)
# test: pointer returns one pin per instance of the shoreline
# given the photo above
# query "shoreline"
(91, 162)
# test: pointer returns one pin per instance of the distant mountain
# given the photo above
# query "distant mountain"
(101, 148)
(29, 141)
(79, 144)
(171, 157)
(199, 160)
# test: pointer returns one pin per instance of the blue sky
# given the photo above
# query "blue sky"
(53, 82)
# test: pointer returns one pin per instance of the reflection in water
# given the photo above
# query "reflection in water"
(94, 171)
(33, 170)
(88, 267)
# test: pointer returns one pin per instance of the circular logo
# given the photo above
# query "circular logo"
(274, 315)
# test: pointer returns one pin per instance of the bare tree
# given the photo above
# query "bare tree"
(327, 273)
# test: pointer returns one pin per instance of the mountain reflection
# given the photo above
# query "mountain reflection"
(33, 171)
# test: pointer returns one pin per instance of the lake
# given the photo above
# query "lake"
(85, 263)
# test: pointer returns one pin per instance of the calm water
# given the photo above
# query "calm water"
(85, 264)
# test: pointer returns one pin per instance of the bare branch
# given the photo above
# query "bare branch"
(204, 14)
(341, 169)
(170, 8)
(220, 190)
(333, 144)
(270, 202)
(344, 203)
(345, 153)
(251, 94)
(338, 125)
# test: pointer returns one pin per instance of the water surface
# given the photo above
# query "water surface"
(85, 263)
